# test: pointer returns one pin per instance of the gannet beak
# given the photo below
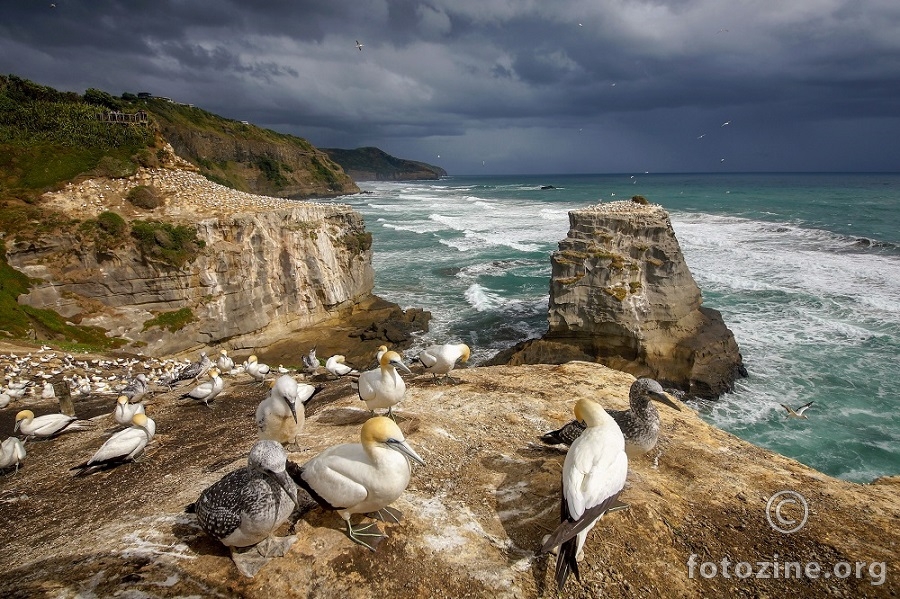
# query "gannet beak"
(405, 449)
(401, 365)
(287, 484)
(16, 428)
(293, 408)
(665, 398)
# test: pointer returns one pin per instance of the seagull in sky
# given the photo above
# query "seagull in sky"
(701, 136)
(726, 123)
(359, 46)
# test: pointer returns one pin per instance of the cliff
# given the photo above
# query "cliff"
(621, 294)
(474, 515)
(372, 164)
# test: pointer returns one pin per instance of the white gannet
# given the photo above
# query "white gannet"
(336, 366)
(311, 362)
(47, 426)
(246, 506)
(383, 387)
(382, 349)
(123, 446)
(12, 453)
(441, 359)
(4, 399)
(207, 391)
(256, 369)
(798, 413)
(593, 475)
(359, 46)
(359, 478)
(280, 416)
(48, 392)
(223, 362)
(125, 411)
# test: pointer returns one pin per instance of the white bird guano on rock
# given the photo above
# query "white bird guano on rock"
(246, 506)
(361, 478)
(383, 387)
(594, 473)
(124, 446)
(281, 415)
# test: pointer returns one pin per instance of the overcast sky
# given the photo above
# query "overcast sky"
(504, 86)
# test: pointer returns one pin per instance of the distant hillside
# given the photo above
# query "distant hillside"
(371, 164)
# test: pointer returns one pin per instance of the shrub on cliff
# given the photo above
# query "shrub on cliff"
(171, 321)
(172, 245)
(144, 196)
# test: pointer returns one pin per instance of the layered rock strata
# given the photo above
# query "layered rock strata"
(621, 294)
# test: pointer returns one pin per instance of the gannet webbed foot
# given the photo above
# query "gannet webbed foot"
(250, 560)
(387, 514)
(373, 535)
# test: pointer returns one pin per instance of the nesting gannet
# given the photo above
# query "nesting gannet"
(359, 478)
(593, 475)
(12, 453)
(280, 416)
(223, 362)
(125, 411)
(48, 392)
(798, 413)
(311, 362)
(207, 391)
(123, 446)
(383, 387)
(47, 426)
(640, 423)
(4, 399)
(336, 366)
(441, 359)
(256, 369)
(246, 506)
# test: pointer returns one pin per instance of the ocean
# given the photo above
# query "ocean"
(805, 269)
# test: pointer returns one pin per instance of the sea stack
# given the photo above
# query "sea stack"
(621, 294)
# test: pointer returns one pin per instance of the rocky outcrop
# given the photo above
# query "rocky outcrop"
(372, 164)
(474, 515)
(621, 294)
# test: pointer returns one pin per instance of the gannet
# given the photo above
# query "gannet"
(48, 392)
(383, 387)
(359, 46)
(593, 475)
(207, 391)
(123, 446)
(246, 506)
(311, 362)
(125, 411)
(47, 426)
(798, 413)
(136, 388)
(255, 369)
(223, 362)
(12, 453)
(4, 399)
(194, 370)
(639, 424)
(280, 416)
(336, 366)
(441, 359)
(359, 478)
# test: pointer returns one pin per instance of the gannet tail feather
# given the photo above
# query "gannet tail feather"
(568, 528)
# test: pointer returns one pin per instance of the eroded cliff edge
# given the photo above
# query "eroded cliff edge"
(621, 294)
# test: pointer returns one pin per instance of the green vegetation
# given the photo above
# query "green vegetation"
(640, 200)
(635, 286)
(144, 196)
(271, 170)
(325, 174)
(620, 293)
(570, 280)
(171, 321)
(171, 245)
(358, 243)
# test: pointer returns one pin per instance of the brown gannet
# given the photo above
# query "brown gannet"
(47, 426)
(441, 359)
(12, 453)
(593, 475)
(364, 477)
(383, 387)
(280, 416)
(798, 413)
(124, 446)
(207, 391)
(125, 411)
(246, 506)
(639, 423)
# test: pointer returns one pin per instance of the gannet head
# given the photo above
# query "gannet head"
(270, 457)
(23, 415)
(645, 389)
(213, 372)
(139, 420)
(252, 359)
(123, 399)
(466, 352)
(286, 388)
(222, 352)
(590, 413)
(392, 358)
(383, 431)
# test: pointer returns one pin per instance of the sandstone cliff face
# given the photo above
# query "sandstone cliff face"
(621, 294)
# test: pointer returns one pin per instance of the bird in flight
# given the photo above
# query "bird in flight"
(726, 123)
(359, 46)
(798, 413)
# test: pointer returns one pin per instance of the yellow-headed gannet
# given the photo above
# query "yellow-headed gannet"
(280, 416)
(639, 424)
(223, 362)
(12, 453)
(593, 475)
(47, 426)
(123, 446)
(125, 411)
(441, 359)
(336, 366)
(207, 391)
(256, 369)
(359, 478)
(798, 413)
(383, 387)
(246, 506)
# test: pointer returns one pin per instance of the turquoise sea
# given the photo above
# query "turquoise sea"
(805, 269)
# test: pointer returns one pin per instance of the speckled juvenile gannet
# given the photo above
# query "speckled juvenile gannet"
(194, 370)
(640, 423)
(359, 478)
(593, 475)
(12, 453)
(207, 391)
(246, 506)
(125, 411)
(280, 416)
(256, 369)
(383, 387)
(137, 388)
(336, 366)
(124, 446)
(311, 362)
(441, 359)
(47, 426)
(798, 413)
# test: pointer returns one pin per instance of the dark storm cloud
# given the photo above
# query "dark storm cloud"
(578, 85)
